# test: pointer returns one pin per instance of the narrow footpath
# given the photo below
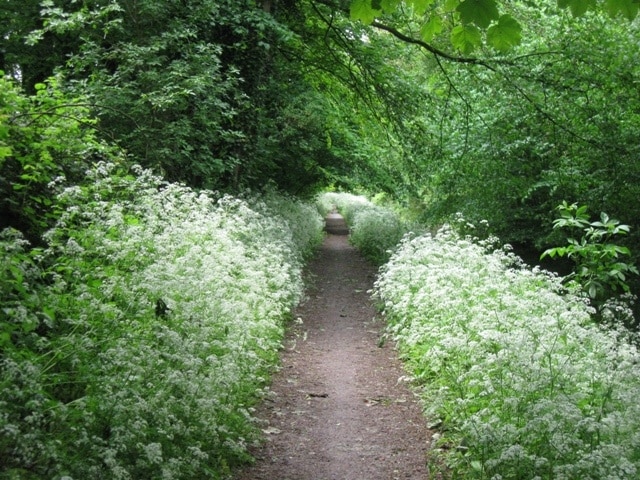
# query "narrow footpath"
(341, 408)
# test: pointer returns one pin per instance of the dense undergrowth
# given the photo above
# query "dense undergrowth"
(515, 370)
(375, 230)
(136, 340)
(525, 384)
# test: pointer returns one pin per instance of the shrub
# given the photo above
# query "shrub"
(299, 219)
(44, 138)
(375, 230)
(345, 203)
(600, 267)
(511, 364)
(137, 341)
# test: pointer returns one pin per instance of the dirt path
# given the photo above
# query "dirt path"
(341, 410)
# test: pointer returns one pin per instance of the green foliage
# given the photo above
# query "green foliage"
(577, 7)
(365, 11)
(158, 83)
(505, 34)
(46, 139)
(136, 342)
(204, 93)
(626, 8)
(301, 219)
(19, 58)
(299, 143)
(347, 204)
(507, 144)
(599, 267)
(224, 94)
(511, 366)
(491, 19)
(20, 302)
(480, 12)
(376, 230)
(466, 38)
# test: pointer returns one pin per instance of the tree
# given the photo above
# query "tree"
(27, 62)
(206, 92)
(472, 24)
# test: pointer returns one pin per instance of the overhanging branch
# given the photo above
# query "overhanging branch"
(439, 53)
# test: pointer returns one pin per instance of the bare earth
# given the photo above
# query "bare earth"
(341, 409)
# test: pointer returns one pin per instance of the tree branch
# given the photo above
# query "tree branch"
(438, 53)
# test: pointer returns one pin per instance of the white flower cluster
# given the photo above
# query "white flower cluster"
(375, 230)
(525, 384)
(345, 203)
(167, 308)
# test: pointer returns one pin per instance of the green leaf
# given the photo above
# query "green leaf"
(466, 38)
(480, 12)
(420, 6)
(628, 8)
(49, 312)
(363, 10)
(389, 5)
(432, 28)
(5, 151)
(451, 5)
(578, 7)
(551, 252)
(505, 34)
(131, 220)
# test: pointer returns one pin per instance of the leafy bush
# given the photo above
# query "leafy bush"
(345, 203)
(375, 230)
(600, 269)
(300, 219)
(522, 381)
(44, 138)
(135, 344)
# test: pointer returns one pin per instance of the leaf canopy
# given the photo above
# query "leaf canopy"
(492, 18)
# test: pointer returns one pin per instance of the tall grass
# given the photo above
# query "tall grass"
(511, 366)
(135, 343)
